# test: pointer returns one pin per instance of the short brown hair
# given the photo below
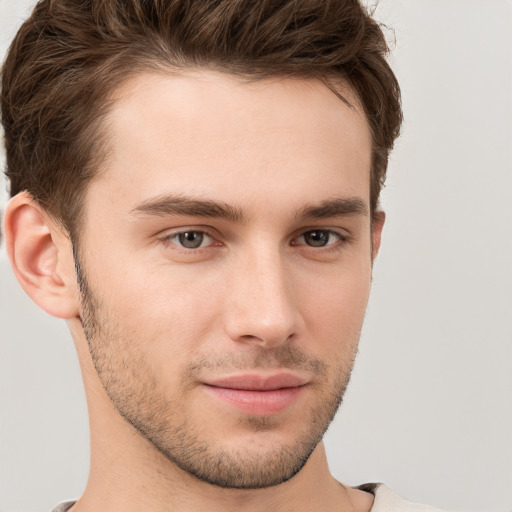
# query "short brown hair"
(70, 55)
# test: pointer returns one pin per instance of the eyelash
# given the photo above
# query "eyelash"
(341, 240)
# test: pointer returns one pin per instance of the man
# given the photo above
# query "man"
(196, 191)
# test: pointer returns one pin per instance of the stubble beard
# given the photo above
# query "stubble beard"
(140, 399)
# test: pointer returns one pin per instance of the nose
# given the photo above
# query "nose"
(262, 306)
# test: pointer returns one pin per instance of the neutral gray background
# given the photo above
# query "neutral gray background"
(429, 409)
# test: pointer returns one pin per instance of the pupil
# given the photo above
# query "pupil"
(191, 239)
(317, 238)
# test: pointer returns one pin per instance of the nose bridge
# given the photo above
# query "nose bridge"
(262, 305)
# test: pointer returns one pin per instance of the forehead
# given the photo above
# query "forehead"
(206, 133)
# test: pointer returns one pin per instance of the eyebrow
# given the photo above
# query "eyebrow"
(167, 205)
(336, 207)
(182, 205)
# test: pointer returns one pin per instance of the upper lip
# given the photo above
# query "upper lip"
(255, 382)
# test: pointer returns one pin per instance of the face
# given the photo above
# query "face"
(225, 265)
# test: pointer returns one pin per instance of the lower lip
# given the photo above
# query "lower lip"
(257, 403)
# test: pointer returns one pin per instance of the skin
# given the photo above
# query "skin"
(155, 323)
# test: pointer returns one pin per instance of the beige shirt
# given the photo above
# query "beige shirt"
(385, 501)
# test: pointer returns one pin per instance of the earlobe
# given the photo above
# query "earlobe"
(377, 227)
(41, 257)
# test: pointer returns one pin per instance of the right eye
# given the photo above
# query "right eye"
(190, 239)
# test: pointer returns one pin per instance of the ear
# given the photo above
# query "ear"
(377, 227)
(41, 257)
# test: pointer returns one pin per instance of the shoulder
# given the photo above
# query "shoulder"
(388, 501)
(63, 507)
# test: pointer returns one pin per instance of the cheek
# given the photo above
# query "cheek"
(335, 307)
(168, 312)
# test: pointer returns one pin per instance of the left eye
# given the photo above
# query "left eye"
(319, 238)
(191, 239)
